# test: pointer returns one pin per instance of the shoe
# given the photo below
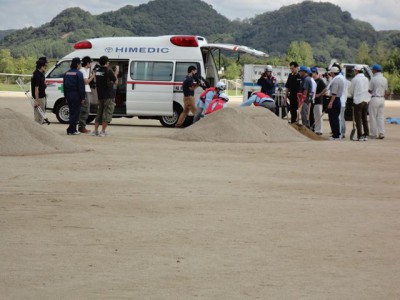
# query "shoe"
(84, 130)
(103, 133)
(94, 133)
(334, 139)
(318, 133)
(381, 136)
(73, 133)
(365, 138)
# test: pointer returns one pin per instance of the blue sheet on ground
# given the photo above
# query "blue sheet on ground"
(393, 121)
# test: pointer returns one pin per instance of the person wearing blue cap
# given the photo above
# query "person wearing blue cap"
(378, 87)
(74, 92)
(306, 94)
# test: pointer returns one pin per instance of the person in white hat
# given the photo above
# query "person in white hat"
(359, 91)
(336, 89)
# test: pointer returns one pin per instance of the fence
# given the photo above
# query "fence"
(234, 86)
(10, 78)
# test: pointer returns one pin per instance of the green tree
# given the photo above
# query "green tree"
(6, 61)
(294, 52)
(232, 70)
(301, 52)
(362, 56)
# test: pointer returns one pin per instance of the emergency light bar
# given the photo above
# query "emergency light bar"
(184, 41)
(83, 45)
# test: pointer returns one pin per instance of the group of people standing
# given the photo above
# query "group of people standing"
(78, 93)
(305, 90)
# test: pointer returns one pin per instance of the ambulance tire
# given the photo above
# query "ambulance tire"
(62, 112)
(170, 121)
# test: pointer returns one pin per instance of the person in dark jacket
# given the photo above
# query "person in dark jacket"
(74, 92)
(38, 90)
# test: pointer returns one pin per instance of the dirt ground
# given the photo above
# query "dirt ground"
(142, 216)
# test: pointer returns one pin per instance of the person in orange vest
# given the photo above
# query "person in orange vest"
(260, 99)
(217, 103)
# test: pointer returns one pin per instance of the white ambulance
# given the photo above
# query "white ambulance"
(151, 72)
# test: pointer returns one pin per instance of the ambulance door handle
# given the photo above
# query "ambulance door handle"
(133, 86)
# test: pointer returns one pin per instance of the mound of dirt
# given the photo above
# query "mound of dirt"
(240, 125)
(20, 135)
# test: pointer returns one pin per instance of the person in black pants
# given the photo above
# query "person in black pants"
(292, 86)
(74, 92)
(336, 88)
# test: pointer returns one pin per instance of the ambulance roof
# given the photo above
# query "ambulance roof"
(157, 47)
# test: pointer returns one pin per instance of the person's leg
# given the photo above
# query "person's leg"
(311, 117)
(372, 108)
(198, 114)
(107, 114)
(269, 105)
(99, 116)
(342, 121)
(380, 118)
(185, 112)
(357, 119)
(334, 113)
(293, 110)
(83, 114)
(75, 107)
(364, 118)
(318, 124)
(304, 114)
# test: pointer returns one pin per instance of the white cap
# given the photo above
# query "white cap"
(358, 67)
(334, 70)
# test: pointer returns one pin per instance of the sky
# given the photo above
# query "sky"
(381, 14)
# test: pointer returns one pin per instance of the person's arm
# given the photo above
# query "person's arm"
(36, 96)
(249, 101)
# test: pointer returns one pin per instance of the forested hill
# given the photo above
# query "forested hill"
(161, 17)
(330, 31)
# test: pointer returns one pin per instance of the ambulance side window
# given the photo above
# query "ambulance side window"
(60, 69)
(151, 70)
(182, 68)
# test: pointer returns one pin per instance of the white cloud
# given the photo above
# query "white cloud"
(382, 14)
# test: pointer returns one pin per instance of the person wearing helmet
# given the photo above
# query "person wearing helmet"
(267, 82)
(220, 102)
(206, 97)
(260, 99)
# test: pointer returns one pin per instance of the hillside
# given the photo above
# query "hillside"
(330, 31)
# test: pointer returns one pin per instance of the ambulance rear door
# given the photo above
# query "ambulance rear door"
(149, 87)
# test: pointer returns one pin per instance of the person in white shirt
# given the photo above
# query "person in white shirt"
(87, 78)
(378, 87)
(359, 90)
(343, 100)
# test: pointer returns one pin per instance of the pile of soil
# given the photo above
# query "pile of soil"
(20, 135)
(240, 125)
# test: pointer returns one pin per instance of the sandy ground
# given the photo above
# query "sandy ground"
(142, 216)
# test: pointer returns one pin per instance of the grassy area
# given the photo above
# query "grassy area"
(9, 88)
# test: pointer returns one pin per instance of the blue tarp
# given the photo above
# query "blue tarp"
(393, 121)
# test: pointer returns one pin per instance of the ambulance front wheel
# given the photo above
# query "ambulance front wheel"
(170, 121)
(62, 112)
